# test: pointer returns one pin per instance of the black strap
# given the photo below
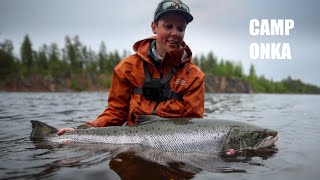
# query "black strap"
(169, 76)
(146, 72)
(170, 94)
(173, 95)
(137, 91)
(164, 80)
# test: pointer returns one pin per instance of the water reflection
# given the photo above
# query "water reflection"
(138, 162)
(131, 165)
(295, 117)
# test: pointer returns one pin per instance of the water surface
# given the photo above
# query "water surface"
(295, 155)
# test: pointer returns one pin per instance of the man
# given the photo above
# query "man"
(160, 78)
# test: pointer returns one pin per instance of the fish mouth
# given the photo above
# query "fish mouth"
(270, 140)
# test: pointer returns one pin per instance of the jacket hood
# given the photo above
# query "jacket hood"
(174, 57)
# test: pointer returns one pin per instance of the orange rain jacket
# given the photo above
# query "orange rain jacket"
(124, 106)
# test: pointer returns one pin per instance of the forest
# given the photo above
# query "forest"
(77, 58)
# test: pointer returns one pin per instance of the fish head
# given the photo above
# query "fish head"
(249, 137)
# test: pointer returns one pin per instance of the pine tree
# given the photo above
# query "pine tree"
(42, 58)
(252, 73)
(211, 63)
(237, 71)
(195, 61)
(26, 53)
(7, 60)
(203, 63)
(71, 54)
(92, 65)
(102, 57)
(54, 64)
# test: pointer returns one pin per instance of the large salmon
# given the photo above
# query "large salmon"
(203, 135)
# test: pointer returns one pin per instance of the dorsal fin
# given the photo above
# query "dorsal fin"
(40, 130)
(143, 119)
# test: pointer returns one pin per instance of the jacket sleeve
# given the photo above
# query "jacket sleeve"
(118, 103)
(194, 100)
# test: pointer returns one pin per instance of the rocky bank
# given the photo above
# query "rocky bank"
(93, 82)
(219, 84)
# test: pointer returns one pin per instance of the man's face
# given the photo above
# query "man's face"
(170, 32)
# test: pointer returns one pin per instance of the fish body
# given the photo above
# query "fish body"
(202, 135)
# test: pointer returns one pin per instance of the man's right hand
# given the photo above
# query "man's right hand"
(63, 130)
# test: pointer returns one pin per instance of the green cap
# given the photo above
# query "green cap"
(175, 6)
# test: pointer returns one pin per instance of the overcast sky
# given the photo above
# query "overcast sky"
(221, 26)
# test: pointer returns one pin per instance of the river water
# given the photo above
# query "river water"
(294, 156)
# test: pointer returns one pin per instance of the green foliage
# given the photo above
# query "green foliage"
(26, 53)
(108, 83)
(112, 60)
(102, 58)
(297, 86)
(75, 85)
(42, 59)
(73, 54)
(262, 85)
(75, 58)
(210, 65)
(7, 60)
(195, 61)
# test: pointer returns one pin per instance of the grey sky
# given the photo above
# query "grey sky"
(221, 26)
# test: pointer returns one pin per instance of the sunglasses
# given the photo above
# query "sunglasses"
(173, 5)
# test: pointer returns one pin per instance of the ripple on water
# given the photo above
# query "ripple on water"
(295, 117)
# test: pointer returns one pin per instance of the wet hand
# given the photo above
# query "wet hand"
(231, 152)
(64, 130)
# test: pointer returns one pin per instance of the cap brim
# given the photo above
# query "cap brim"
(185, 14)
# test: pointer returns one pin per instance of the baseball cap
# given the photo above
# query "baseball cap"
(175, 6)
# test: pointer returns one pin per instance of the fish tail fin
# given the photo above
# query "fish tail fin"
(40, 130)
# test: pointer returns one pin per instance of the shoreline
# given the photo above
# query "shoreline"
(102, 82)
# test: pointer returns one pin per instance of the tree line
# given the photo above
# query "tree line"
(73, 58)
(210, 64)
(77, 58)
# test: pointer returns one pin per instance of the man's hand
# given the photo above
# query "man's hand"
(63, 130)
(231, 152)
